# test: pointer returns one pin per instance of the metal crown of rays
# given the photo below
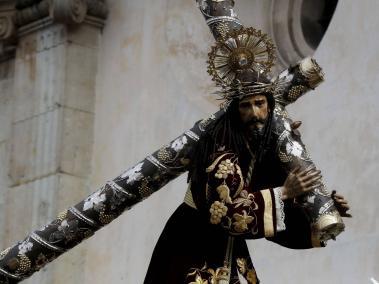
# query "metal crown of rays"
(239, 63)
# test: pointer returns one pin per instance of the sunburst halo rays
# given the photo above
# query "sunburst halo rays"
(243, 52)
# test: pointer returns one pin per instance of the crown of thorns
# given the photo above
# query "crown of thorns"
(239, 62)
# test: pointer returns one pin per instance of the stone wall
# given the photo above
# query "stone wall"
(47, 110)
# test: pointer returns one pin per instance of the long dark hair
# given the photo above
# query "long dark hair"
(225, 135)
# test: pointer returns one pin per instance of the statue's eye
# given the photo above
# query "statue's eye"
(259, 103)
(244, 105)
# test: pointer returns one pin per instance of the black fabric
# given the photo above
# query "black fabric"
(189, 241)
(297, 234)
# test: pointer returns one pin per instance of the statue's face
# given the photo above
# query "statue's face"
(254, 111)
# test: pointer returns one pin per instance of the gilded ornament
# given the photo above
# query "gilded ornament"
(199, 280)
(242, 265)
(284, 157)
(164, 155)
(61, 216)
(217, 210)
(144, 188)
(223, 29)
(242, 221)
(295, 92)
(224, 193)
(24, 264)
(220, 275)
(246, 49)
(105, 218)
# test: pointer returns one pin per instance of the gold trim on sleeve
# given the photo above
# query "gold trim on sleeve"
(268, 221)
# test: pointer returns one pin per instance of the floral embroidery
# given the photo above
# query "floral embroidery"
(133, 174)
(208, 275)
(224, 169)
(179, 143)
(245, 199)
(199, 280)
(242, 265)
(67, 230)
(217, 210)
(294, 149)
(94, 201)
(249, 274)
(224, 193)
(240, 225)
(25, 246)
(221, 273)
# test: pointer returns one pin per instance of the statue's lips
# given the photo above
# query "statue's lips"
(255, 124)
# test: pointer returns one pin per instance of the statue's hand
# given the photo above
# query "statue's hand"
(341, 204)
(300, 182)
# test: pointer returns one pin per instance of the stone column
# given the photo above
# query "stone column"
(51, 117)
(7, 52)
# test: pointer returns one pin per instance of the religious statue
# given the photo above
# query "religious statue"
(249, 175)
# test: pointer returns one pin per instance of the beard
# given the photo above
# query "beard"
(255, 133)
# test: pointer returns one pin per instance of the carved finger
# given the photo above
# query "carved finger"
(344, 206)
(311, 175)
(338, 196)
(308, 171)
(295, 170)
(310, 168)
(340, 200)
(313, 180)
(303, 173)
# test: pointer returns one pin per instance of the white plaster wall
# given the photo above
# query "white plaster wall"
(152, 85)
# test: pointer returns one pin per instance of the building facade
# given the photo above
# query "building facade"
(89, 87)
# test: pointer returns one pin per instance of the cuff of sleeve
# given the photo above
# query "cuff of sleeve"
(269, 220)
(279, 205)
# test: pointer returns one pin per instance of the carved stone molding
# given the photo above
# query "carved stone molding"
(69, 11)
(7, 30)
(33, 12)
(7, 27)
(62, 11)
(20, 17)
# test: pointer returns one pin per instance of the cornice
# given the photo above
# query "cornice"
(69, 12)
(7, 30)
(20, 17)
